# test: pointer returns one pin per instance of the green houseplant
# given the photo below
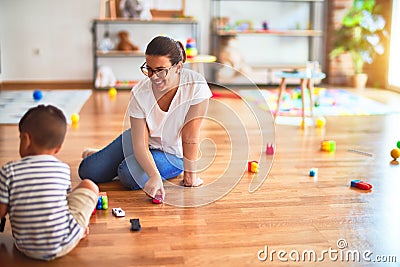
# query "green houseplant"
(361, 34)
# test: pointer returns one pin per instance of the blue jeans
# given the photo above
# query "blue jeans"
(118, 159)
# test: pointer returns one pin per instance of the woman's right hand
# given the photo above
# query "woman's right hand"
(154, 186)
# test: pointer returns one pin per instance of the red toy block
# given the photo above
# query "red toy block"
(252, 166)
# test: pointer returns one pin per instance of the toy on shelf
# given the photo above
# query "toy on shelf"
(360, 184)
(265, 25)
(102, 202)
(135, 224)
(125, 43)
(313, 172)
(137, 9)
(105, 77)
(191, 48)
(125, 83)
(106, 44)
(37, 95)
(252, 166)
(328, 145)
(270, 149)
(118, 212)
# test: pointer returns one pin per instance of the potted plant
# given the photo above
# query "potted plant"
(361, 35)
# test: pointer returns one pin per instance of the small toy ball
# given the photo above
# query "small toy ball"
(395, 153)
(112, 92)
(320, 122)
(74, 118)
(398, 144)
(37, 95)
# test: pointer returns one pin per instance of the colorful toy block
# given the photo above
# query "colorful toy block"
(102, 201)
(328, 145)
(270, 149)
(252, 166)
(313, 172)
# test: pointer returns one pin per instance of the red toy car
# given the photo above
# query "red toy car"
(361, 184)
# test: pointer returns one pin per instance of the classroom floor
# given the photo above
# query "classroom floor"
(291, 219)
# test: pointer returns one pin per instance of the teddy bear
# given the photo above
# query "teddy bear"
(124, 43)
(232, 58)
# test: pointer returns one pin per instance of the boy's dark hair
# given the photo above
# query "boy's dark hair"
(166, 46)
(46, 125)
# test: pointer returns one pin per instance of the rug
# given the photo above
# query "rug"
(327, 102)
(14, 104)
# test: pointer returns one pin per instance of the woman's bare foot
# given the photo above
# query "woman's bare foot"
(88, 151)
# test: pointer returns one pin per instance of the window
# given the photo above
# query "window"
(394, 59)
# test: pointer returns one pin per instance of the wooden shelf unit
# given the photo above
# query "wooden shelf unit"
(312, 34)
(129, 22)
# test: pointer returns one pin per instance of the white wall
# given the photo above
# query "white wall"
(51, 40)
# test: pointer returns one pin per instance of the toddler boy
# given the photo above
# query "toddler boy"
(47, 219)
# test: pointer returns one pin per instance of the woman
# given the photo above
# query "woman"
(166, 110)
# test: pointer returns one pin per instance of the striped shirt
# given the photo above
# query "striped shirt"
(35, 189)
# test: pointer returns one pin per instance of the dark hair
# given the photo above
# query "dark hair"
(46, 125)
(166, 46)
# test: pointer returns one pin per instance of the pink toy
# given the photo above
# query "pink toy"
(157, 199)
(270, 149)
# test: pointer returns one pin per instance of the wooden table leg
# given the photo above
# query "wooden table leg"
(282, 88)
(310, 85)
(303, 114)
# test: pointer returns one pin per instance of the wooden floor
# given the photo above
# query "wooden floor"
(290, 211)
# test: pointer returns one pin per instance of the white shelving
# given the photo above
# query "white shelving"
(125, 65)
(295, 34)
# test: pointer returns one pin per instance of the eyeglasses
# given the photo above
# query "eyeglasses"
(160, 73)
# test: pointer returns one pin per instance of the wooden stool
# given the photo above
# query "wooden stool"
(197, 62)
(306, 81)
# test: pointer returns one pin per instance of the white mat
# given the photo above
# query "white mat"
(14, 104)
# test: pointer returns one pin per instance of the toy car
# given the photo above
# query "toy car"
(118, 212)
(157, 199)
(360, 184)
(135, 224)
